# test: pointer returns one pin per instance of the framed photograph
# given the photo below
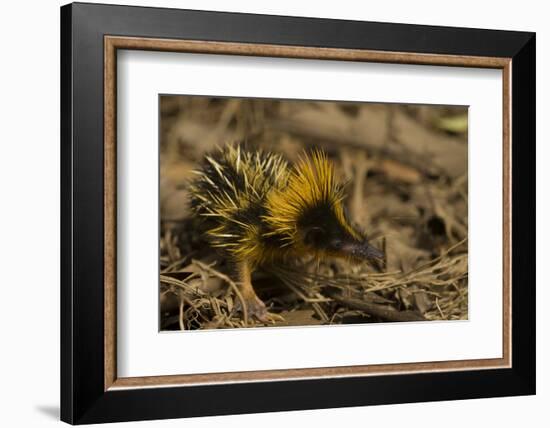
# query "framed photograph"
(266, 213)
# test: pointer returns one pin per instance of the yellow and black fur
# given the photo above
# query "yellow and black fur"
(259, 209)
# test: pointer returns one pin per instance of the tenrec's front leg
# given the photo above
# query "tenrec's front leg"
(254, 306)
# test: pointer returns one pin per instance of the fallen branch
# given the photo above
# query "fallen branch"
(411, 144)
(384, 312)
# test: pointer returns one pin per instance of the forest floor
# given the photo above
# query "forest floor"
(407, 184)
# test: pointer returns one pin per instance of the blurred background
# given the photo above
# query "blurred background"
(406, 171)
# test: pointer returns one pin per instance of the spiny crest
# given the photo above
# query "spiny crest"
(311, 183)
(315, 176)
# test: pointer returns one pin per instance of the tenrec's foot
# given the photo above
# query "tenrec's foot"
(255, 308)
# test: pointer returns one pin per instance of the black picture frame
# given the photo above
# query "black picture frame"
(83, 396)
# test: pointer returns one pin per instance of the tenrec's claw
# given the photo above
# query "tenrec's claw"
(255, 308)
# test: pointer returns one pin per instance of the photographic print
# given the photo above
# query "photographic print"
(296, 213)
(326, 199)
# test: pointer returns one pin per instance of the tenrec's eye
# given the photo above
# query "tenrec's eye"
(336, 244)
